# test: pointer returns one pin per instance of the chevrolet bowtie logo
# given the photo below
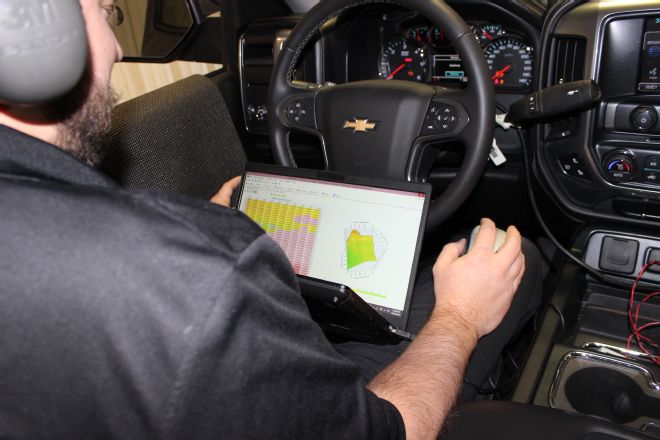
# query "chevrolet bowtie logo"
(360, 125)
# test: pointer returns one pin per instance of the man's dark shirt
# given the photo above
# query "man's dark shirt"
(135, 315)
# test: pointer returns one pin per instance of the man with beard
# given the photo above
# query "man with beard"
(145, 315)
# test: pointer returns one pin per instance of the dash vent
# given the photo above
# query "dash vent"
(568, 60)
(567, 65)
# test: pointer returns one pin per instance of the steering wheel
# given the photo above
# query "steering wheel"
(384, 129)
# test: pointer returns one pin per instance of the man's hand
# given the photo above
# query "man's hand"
(223, 196)
(473, 293)
(478, 287)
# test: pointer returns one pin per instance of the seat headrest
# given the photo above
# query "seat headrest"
(43, 49)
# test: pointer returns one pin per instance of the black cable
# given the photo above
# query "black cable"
(530, 193)
(496, 389)
(512, 360)
(492, 389)
(562, 322)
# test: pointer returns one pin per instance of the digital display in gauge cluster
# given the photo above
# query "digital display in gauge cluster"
(424, 54)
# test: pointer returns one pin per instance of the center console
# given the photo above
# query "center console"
(584, 361)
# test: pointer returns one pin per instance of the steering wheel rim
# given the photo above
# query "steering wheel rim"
(475, 104)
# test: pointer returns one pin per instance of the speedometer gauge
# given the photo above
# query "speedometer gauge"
(401, 59)
(510, 62)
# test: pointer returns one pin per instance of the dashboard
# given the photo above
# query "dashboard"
(423, 53)
(389, 42)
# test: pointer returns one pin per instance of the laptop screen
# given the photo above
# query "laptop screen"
(362, 233)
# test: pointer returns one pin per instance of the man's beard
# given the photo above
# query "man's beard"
(82, 118)
(82, 133)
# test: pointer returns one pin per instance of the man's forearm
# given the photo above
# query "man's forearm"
(424, 382)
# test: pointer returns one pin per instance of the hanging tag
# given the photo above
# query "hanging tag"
(496, 156)
(499, 120)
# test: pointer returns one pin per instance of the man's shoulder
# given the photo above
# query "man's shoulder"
(122, 214)
(217, 224)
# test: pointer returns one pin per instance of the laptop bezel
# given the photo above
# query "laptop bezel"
(400, 322)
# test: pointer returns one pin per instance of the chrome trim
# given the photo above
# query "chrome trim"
(278, 43)
(610, 113)
(614, 350)
(591, 255)
(596, 358)
(241, 43)
(646, 426)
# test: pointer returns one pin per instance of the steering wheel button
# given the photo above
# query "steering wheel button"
(293, 112)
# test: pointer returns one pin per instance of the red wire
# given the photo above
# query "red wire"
(646, 298)
(636, 333)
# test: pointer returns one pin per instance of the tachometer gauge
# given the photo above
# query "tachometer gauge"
(510, 62)
(402, 59)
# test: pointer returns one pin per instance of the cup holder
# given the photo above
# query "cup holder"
(609, 394)
(607, 387)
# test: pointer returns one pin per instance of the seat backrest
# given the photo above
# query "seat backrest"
(179, 138)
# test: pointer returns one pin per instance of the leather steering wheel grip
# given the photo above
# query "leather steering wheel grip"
(479, 93)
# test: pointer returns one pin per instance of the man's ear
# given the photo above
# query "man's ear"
(43, 50)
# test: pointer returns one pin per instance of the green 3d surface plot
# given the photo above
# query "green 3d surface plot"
(359, 249)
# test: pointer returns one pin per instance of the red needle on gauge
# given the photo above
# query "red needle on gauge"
(489, 36)
(500, 73)
(397, 70)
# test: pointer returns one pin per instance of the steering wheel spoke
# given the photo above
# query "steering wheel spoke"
(299, 114)
(297, 108)
(382, 128)
(445, 119)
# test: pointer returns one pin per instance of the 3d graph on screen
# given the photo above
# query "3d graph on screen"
(359, 249)
(293, 227)
(365, 246)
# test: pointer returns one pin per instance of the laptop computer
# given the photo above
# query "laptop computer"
(342, 231)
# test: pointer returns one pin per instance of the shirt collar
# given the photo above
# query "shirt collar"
(24, 155)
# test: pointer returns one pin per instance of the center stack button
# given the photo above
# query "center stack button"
(652, 170)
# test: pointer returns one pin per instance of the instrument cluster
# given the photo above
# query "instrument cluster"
(423, 53)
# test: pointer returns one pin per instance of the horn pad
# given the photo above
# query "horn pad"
(369, 126)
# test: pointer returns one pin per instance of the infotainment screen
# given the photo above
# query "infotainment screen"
(650, 75)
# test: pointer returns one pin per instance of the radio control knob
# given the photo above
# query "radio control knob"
(619, 167)
(644, 118)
